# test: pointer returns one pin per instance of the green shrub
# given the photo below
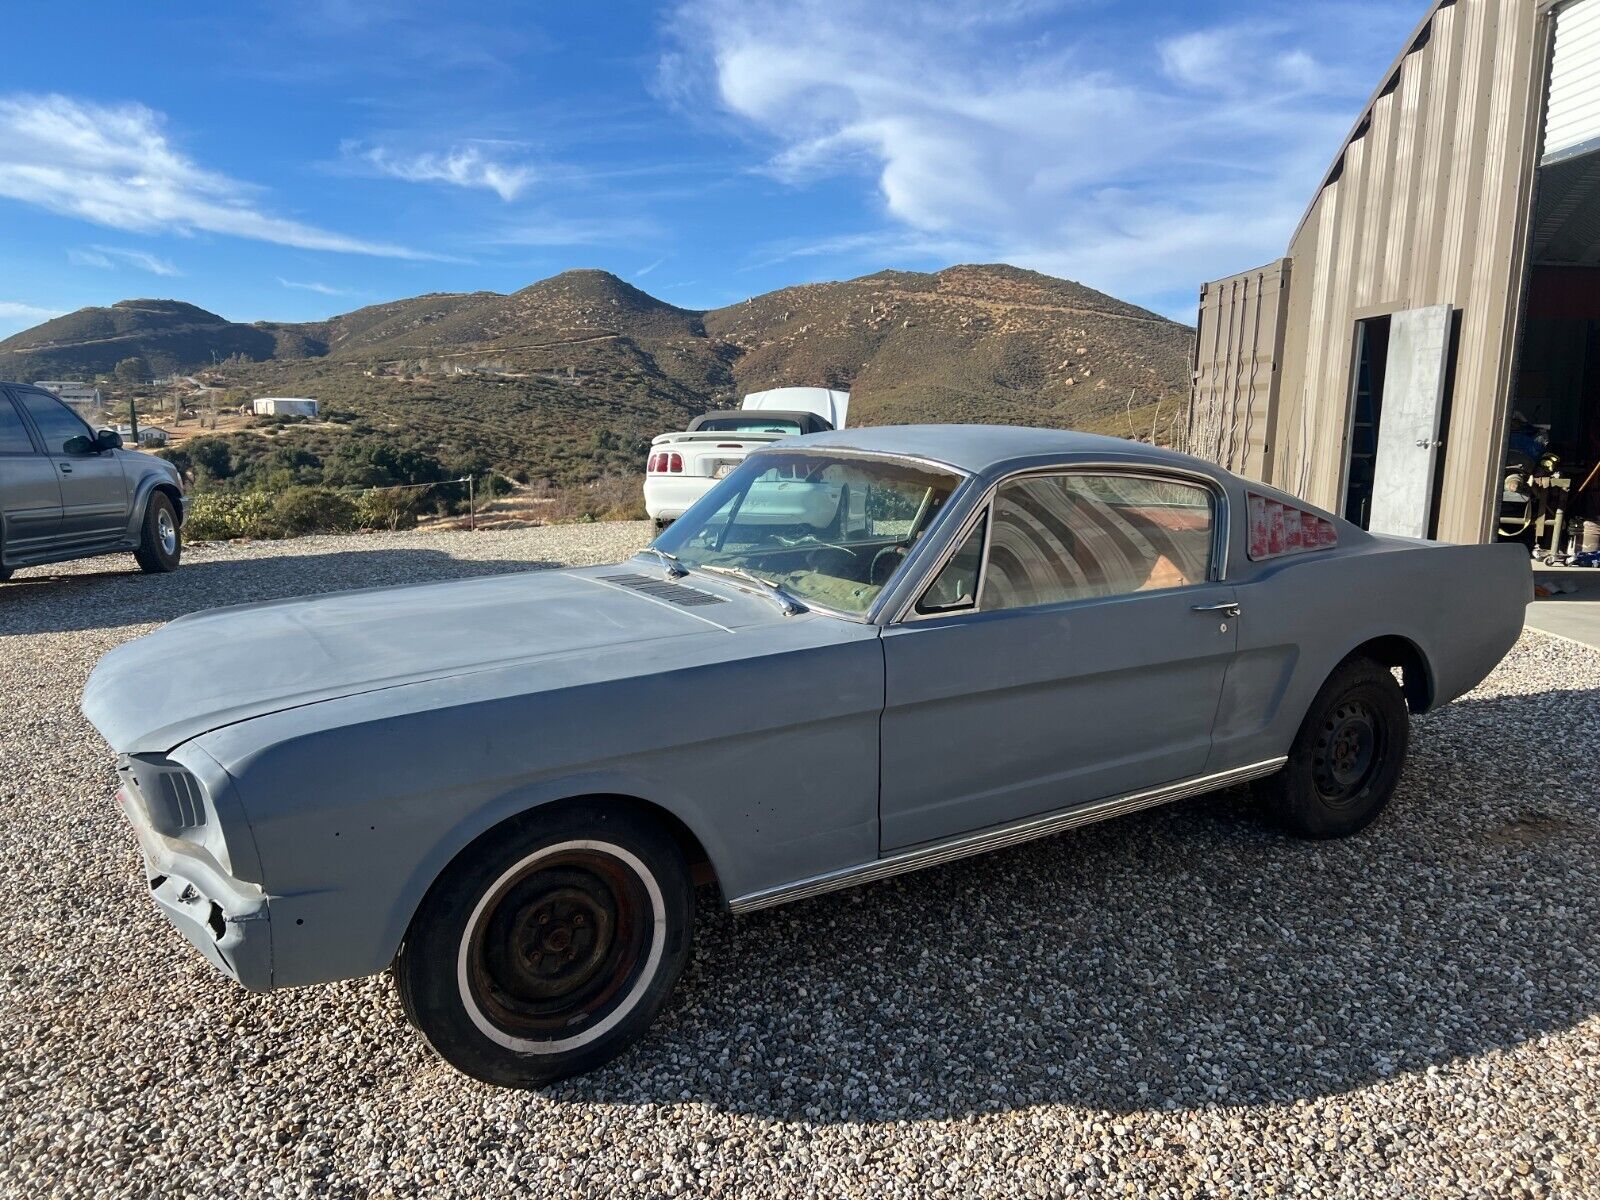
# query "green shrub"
(388, 510)
(298, 511)
(214, 516)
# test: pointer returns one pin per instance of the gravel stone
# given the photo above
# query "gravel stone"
(1182, 1002)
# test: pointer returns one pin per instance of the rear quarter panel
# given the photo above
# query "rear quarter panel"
(1462, 607)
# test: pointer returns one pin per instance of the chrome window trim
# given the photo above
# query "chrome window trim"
(967, 844)
(1217, 570)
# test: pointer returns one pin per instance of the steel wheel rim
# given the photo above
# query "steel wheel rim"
(560, 947)
(167, 532)
(1350, 750)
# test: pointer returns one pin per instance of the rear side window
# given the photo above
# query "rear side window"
(1081, 537)
(1277, 529)
(57, 423)
(14, 437)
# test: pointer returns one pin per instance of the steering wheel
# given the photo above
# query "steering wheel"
(877, 573)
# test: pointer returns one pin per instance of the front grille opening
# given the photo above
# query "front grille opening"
(662, 589)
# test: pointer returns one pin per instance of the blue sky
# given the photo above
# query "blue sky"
(293, 160)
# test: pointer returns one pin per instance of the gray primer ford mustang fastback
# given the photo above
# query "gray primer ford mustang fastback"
(861, 653)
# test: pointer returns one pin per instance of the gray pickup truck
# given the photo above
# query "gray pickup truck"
(68, 491)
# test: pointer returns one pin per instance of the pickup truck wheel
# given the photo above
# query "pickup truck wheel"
(160, 546)
(1346, 759)
(549, 948)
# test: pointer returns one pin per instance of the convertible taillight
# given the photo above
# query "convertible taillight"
(675, 463)
(664, 463)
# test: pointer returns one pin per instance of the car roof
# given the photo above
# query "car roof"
(988, 450)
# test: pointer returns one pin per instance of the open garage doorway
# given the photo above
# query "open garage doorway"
(1551, 495)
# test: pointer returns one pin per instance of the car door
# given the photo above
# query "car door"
(1073, 648)
(30, 496)
(94, 493)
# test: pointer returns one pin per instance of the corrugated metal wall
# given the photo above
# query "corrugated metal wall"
(1426, 205)
(1237, 351)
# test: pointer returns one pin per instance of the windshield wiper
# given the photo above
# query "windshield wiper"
(781, 598)
(674, 568)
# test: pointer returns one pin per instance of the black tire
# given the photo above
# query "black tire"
(160, 543)
(1347, 757)
(606, 893)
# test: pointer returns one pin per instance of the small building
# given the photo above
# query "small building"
(84, 397)
(1434, 324)
(284, 406)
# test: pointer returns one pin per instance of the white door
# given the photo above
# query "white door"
(1408, 423)
(1572, 116)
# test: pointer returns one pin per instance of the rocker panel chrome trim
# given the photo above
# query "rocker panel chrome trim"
(999, 838)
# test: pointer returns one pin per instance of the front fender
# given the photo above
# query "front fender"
(142, 489)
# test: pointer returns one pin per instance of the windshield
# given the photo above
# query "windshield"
(747, 425)
(829, 529)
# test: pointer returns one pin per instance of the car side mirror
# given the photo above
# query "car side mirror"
(108, 439)
(80, 445)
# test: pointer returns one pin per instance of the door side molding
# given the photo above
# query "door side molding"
(1015, 833)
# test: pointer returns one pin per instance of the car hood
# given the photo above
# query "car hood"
(216, 668)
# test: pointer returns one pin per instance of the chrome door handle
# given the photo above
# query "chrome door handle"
(65, 470)
(1228, 608)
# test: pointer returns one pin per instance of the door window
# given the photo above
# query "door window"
(14, 437)
(955, 588)
(57, 423)
(1081, 536)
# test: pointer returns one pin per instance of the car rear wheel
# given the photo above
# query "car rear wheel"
(1346, 759)
(549, 947)
(160, 544)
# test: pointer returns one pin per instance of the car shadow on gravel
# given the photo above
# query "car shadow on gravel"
(39, 601)
(1171, 959)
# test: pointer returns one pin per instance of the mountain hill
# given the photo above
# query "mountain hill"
(969, 343)
(168, 333)
(571, 376)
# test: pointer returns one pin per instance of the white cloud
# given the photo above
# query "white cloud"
(114, 165)
(553, 230)
(645, 270)
(1137, 165)
(106, 258)
(470, 165)
(322, 289)
(16, 316)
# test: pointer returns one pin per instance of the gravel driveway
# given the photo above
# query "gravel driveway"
(1180, 1002)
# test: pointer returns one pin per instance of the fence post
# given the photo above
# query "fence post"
(472, 504)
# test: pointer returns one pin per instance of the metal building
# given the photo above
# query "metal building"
(1441, 291)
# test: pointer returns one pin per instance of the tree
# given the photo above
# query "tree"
(133, 371)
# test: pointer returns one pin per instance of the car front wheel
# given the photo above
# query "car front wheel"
(1346, 759)
(550, 945)
(160, 545)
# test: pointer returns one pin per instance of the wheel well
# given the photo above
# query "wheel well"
(694, 854)
(172, 494)
(1416, 680)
